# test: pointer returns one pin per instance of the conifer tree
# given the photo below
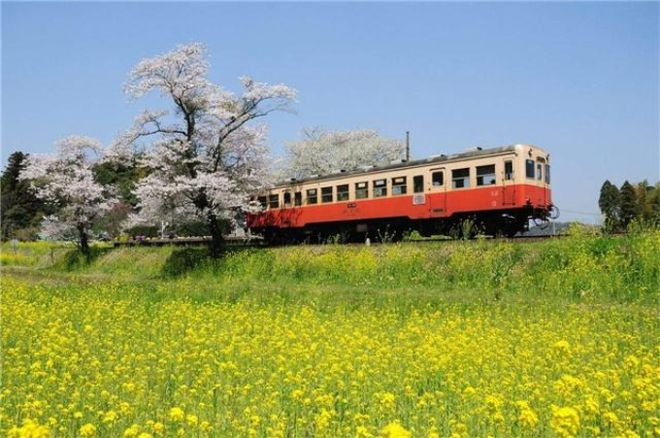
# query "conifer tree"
(609, 203)
(629, 204)
(20, 209)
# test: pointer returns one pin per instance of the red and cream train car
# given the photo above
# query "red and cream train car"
(501, 189)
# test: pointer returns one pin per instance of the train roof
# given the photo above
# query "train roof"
(472, 153)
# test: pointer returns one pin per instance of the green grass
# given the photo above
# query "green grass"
(580, 268)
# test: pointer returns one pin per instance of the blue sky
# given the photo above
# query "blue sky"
(579, 79)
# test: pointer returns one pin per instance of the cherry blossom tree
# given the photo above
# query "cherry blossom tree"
(204, 159)
(322, 152)
(66, 181)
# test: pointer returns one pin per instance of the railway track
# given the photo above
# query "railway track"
(235, 242)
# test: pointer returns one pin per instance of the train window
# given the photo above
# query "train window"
(460, 178)
(418, 183)
(438, 178)
(529, 169)
(380, 188)
(399, 185)
(486, 175)
(312, 196)
(547, 174)
(508, 170)
(342, 192)
(539, 171)
(274, 201)
(287, 199)
(326, 194)
(297, 198)
(262, 201)
(361, 190)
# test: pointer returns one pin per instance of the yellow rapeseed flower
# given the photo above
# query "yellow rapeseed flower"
(561, 346)
(388, 400)
(29, 429)
(177, 414)
(565, 421)
(158, 428)
(132, 431)
(88, 430)
(110, 417)
(395, 430)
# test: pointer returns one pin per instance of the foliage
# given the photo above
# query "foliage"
(21, 211)
(648, 198)
(640, 203)
(66, 181)
(386, 340)
(322, 152)
(629, 209)
(184, 260)
(204, 160)
(609, 203)
(122, 174)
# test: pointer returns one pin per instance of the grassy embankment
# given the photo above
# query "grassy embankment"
(466, 338)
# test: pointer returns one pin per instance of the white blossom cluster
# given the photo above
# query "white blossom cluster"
(65, 179)
(203, 160)
(322, 152)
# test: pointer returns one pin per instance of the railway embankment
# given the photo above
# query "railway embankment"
(582, 267)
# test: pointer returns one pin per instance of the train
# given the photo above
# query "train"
(497, 191)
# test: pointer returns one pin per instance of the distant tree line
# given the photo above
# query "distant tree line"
(632, 202)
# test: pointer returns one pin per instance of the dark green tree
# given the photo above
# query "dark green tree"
(629, 204)
(644, 190)
(609, 203)
(653, 201)
(120, 174)
(21, 212)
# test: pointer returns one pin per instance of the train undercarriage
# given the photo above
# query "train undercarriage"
(501, 223)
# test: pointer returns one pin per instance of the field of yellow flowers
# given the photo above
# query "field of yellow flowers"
(88, 353)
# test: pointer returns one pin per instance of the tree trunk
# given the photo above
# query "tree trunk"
(84, 243)
(217, 244)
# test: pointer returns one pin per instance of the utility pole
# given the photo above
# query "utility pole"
(407, 145)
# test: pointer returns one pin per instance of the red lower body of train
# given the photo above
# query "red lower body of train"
(492, 210)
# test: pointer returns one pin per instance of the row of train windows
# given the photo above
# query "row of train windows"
(536, 171)
(460, 178)
(327, 194)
